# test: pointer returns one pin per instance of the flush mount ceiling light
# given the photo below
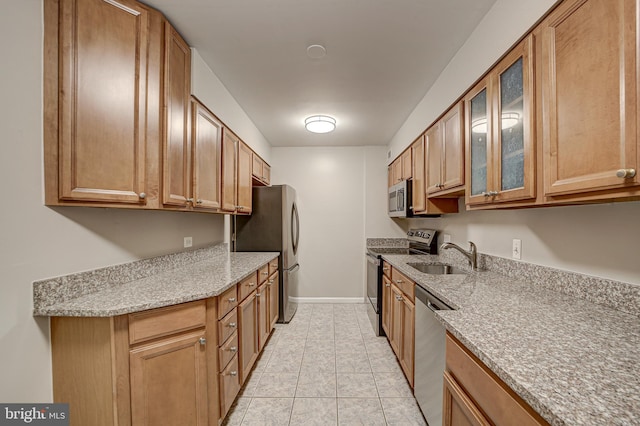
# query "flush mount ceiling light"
(320, 124)
(316, 51)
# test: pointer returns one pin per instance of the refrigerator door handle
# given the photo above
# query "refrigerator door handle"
(295, 236)
(295, 268)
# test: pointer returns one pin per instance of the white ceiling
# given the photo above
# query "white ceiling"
(382, 57)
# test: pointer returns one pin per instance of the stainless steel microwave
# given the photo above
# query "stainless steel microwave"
(400, 199)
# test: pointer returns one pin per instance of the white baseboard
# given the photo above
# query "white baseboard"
(328, 299)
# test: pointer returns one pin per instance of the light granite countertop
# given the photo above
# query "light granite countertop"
(575, 362)
(199, 279)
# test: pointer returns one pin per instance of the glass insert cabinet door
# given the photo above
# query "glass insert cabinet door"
(499, 131)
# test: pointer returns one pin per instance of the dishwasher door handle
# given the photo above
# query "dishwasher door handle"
(431, 306)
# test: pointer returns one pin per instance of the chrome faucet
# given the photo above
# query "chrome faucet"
(471, 255)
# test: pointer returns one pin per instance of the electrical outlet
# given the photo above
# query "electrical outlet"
(516, 250)
(446, 238)
(188, 241)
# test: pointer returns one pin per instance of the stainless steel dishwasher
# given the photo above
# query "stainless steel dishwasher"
(429, 355)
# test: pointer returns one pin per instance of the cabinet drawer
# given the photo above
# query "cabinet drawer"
(246, 286)
(227, 301)
(263, 273)
(227, 351)
(403, 283)
(386, 269)
(164, 321)
(227, 326)
(496, 400)
(229, 386)
(273, 266)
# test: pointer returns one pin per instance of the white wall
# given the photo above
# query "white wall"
(207, 87)
(329, 182)
(39, 242)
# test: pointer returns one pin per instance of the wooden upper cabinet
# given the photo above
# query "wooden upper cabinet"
(176, 135)
(206, 157)
(499, 131)
(244, 178)
(397, 170)
(102, 102)
(407, 165)
(445, 153)
(229, 180)
(260, 170)
(418, 189)
(589, 86)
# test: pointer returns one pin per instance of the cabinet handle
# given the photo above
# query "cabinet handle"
(142, 195)
(251, 284)
(257, 294)
(233, 349)
(388, 285)
(233, 373)
(265, 273)
(385, 269)
(232, 299)
(398, 298)
(490, 193)
(232, 324)
(202, 341)
(626, 173)
(399, 281)
(190, 200)
(270, 282)
(199, 201)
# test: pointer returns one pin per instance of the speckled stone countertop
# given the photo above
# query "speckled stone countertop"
(575, 362)
(209, 275)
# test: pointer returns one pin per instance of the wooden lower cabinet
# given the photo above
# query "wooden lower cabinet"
(398, 318)
(177, 365)
(248, 334)
(169, 381)
(474, 395)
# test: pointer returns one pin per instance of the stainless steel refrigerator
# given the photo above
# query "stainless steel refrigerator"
(274, 226)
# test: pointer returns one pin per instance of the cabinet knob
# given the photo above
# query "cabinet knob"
(270, 281)
(233, 349)
(203, 341)
(232, 324)
(258, 294)
(199, 201)
(142, 195)
(388, 285)
(626, 173)
(399, 281)
(398, 298)
(189, 200)
(265, 273)
(252, 284)
(233, 373)
(232, 299)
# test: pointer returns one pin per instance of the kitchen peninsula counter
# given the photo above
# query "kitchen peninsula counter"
(146, 284)
(573, 361)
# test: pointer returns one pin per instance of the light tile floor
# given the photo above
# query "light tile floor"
(326, 367)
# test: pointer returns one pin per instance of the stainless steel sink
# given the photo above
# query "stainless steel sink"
(437, 268)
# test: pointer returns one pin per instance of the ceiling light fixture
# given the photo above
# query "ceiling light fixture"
(320, 124)
(316, 51)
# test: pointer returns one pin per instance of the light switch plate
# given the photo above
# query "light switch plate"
(516, 250)
(446, 238)
(188, 241)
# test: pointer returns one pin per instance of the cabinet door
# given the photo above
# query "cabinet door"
(206, 158)
(479, 172)
(169, 381)
(229, 386)
(266, 174)
(386, 306)
(407, 165)
(396, 320)
(433, 142)
(248, 334)
(458, 408)
(397, 170)
(589, 84)
(102, 100)
(390, 177)
(408, 339)
(244, 178)
(262, 299)
(419, 176)
(513, 147)
(177, 91)
(274, 291)
(229, 180)
(257, 165)
(452, 127)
